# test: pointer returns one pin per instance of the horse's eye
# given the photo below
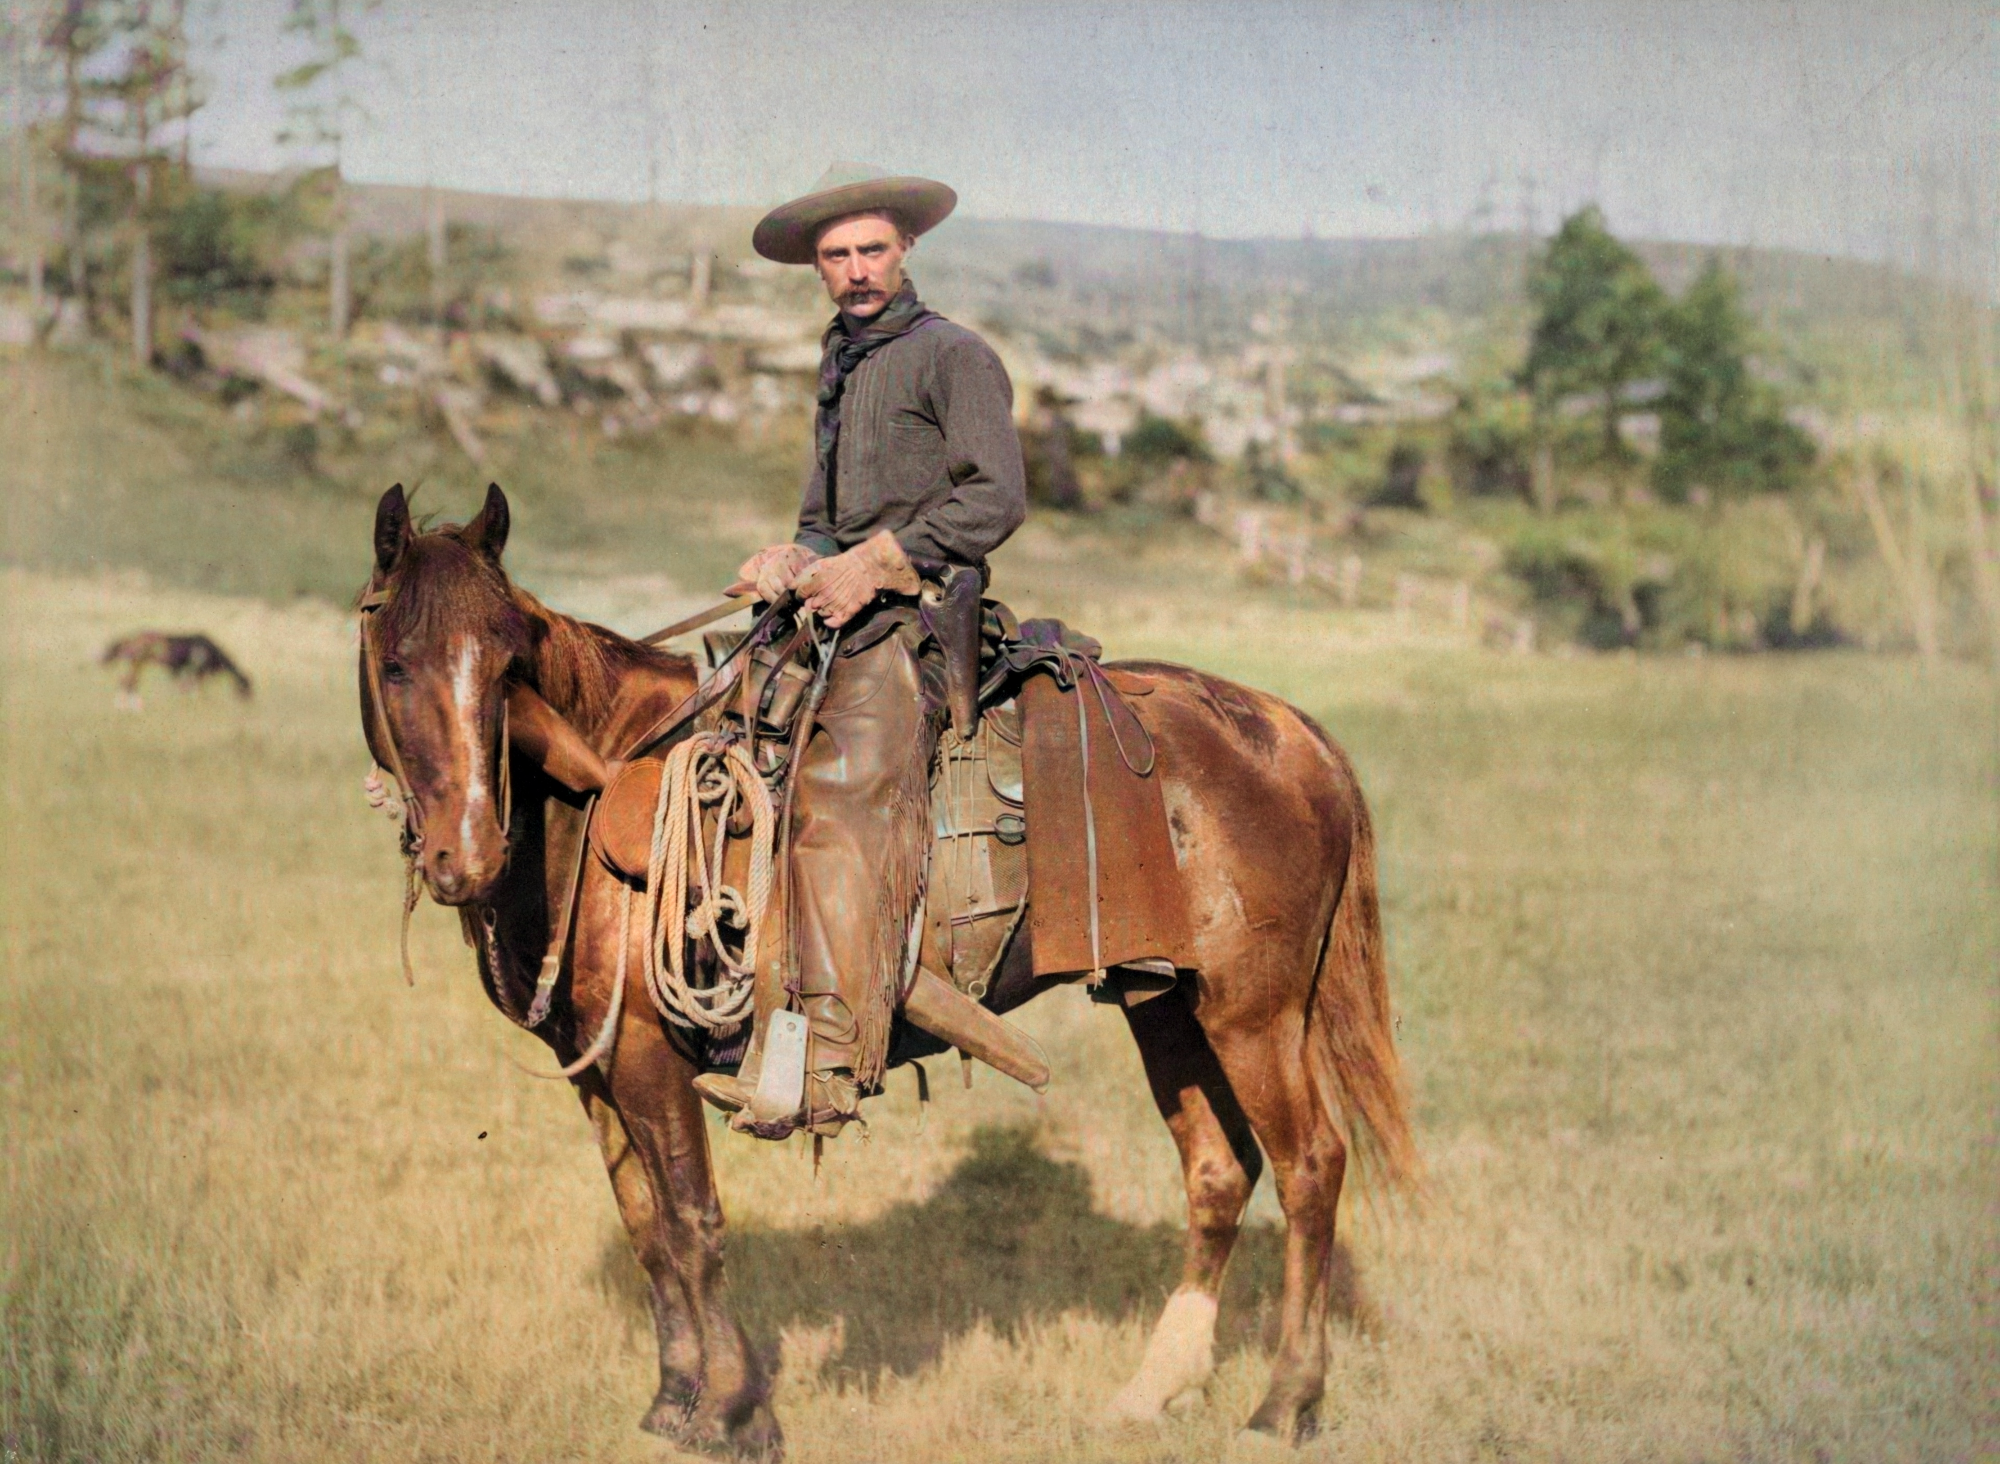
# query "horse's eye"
(393, 671)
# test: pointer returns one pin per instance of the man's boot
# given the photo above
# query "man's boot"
(860, 839)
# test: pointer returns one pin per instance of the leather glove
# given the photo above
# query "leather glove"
(770, 572)
(836, 589)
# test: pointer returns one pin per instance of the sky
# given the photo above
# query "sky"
(1835, 128)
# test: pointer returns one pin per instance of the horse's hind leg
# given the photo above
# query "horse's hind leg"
(1266, 1067)
(1220, 1164)
(680, 1344)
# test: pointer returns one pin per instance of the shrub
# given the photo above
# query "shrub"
(1402, 480)
(220, 248)
(1490, 447)
(1162, 439)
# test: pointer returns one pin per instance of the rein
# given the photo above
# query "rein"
(413, 823)
(686, 710)
(718, 687)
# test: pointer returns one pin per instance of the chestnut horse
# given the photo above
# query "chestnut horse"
(1281, 1046)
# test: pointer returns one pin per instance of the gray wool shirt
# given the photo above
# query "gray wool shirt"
(927, 451)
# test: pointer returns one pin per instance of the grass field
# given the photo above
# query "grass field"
(1696, 962)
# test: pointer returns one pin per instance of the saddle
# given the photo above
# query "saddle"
(1046, 804)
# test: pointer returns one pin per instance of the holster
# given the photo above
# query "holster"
(951, 613)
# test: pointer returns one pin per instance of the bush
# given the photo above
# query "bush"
(220, 248)
(1402, 480)
(1587, 583)
(1489, 451)
(1158, 440)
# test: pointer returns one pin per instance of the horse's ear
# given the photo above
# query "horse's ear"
(392, 529)
(488, 530)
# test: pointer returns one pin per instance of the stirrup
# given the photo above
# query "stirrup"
(832, 1102)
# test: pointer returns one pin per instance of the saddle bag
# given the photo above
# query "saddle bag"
(978, 879)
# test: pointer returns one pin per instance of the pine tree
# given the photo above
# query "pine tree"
(1597, 321)
(1721, 428)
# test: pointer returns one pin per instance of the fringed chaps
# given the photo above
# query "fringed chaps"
(860, 851)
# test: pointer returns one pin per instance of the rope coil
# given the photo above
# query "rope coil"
(708, 771)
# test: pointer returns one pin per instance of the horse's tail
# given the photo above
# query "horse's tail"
(1350, 1036)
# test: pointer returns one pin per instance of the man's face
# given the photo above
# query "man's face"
(861, 262)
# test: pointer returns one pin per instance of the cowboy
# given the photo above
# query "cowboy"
(916, 465)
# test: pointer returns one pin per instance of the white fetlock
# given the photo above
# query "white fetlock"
(1179, 1355)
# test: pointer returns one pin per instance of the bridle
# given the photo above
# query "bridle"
(677, 718)
(413, 817)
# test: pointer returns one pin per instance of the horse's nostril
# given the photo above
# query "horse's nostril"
(441, 858)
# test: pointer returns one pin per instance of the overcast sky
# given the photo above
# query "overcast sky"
(1816, 125)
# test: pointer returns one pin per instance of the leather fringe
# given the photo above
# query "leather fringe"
(899, 907)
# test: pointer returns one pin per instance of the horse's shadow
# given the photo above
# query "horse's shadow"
(1009, 1237)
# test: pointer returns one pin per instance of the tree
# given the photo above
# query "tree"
(1597, 321)
(126, 85)
(77, 30)
(1720, 427)
(322, 105)
(33, 84)
(152, 91)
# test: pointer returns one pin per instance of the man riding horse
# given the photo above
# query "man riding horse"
(916, 470)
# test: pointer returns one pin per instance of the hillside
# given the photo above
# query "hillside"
(1189, 289)
(1331, 424)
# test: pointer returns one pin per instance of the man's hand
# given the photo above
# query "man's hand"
(836, 589)
(770, 572)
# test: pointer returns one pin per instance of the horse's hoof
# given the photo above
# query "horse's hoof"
(1276, 1431)
(754, 1437)
(758, 1437)
(1128, 1407)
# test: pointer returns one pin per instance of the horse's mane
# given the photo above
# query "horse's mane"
(441, 584)
(578, 665)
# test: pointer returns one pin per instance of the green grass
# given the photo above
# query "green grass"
(109, 467)
(1695, 961)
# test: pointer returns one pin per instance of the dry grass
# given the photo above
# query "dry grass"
(1696, 963)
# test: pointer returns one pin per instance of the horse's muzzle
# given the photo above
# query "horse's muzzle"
(460, 877)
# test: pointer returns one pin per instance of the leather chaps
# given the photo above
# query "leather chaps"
(860, 842)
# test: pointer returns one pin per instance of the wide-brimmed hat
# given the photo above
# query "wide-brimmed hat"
(789, 232)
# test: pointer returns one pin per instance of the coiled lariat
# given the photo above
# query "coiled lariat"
(686, 898)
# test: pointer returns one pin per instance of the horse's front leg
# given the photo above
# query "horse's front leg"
(675, 1214)
(673, 1325)
(663, 1117)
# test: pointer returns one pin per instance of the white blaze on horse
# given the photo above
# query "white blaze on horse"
(1280, 1047)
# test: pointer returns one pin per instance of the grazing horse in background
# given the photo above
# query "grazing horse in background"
(189, 659)
(1282, 1043)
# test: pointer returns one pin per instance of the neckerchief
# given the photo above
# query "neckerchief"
(840, 352)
